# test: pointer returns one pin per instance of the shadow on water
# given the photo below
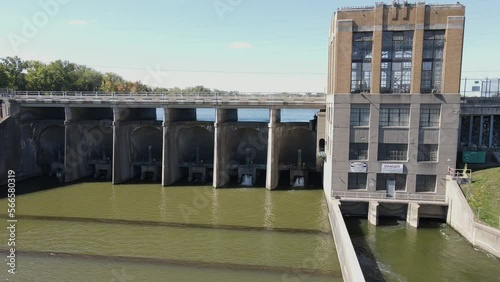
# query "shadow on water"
(367, 260)
(36, 184)
(389, 221)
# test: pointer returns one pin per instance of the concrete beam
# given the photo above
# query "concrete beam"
(373, 212)
(412, 218)
(272, 171)
(179, 114)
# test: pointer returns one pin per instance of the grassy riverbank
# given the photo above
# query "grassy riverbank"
(484, 195)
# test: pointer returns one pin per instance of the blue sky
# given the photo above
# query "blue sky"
(246, 45)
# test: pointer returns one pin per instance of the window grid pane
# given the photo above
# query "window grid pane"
(360, 115)
(397, 53)
(394, 115)
(432, 65)
(361, 62)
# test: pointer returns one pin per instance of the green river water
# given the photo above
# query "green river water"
(142, 232)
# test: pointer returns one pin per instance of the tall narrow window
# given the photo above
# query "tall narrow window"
(361, 62)
(432, 61)
(397, 54)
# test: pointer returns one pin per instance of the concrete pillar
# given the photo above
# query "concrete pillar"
(373, 212)
(221, 173)
(492, 128)
(123, 169)
(481, 130)
(377, 48)
(412, 217)
(76, 149)
(272, 169)
(170, 162)
(471, 127)
(171, 171)
(418, 47)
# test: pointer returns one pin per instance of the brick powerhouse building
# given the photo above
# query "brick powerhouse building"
(393, 106)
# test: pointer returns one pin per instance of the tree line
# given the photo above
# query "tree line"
(61, 75)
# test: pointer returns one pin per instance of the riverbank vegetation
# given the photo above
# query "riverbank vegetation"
(60, 75)
(484, 196)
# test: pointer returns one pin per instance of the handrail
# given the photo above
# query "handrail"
(161, 94)
(384, 196)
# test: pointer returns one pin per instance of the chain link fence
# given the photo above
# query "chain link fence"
(480, 87)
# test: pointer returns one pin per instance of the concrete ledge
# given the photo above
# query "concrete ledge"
(461, 218)
(349, 263)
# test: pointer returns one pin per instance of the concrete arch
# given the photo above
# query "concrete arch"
(101, 140)
(194, 137)
(294, 139)
(51, 144)
(141, 139)
(247, 139)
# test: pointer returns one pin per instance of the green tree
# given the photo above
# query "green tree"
(111, 82)
(4, 77)
(15, 68)
(87, 79)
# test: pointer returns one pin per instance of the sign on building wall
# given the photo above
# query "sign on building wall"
(359, 167)
(392, 168)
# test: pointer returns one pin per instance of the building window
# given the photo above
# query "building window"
(430, 115)
(426, 183)
(432, 61)
(357, 181)
(394, 115)
(397, 54)
(358, 151)
(399, 178)
(476, 88)
(360, 115)
(361, 62)
(392, 152)
(428, 152)
(322, 144)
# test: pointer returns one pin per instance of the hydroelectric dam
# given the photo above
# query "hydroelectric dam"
(71, 136)
(118, 136)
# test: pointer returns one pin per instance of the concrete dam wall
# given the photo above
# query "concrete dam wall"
(121, 144)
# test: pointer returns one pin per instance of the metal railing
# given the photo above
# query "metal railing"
(194, 98)
(461, 176)
(384, 196)
(22, 94)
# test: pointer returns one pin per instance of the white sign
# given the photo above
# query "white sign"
(359, 167)
(392, 168)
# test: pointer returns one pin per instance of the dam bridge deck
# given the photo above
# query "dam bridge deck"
(173, 100)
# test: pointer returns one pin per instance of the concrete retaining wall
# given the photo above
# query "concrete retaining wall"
(461, 218)
(10, 148)
(349, 264)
